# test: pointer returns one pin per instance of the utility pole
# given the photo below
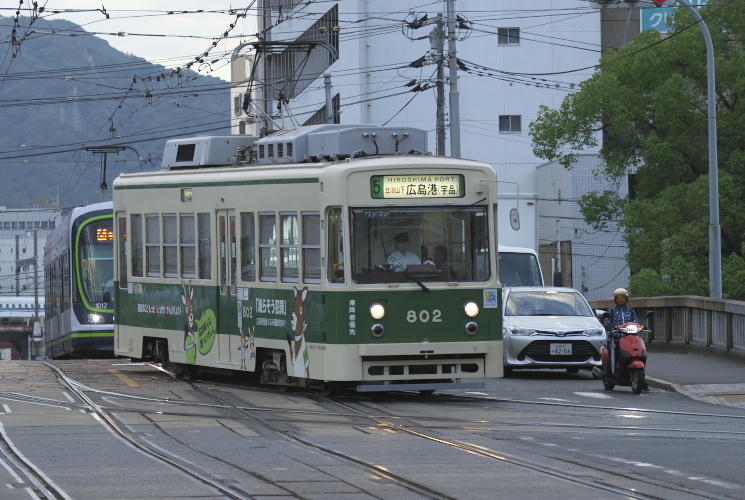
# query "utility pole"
(329, 98)
(454, 95)
(437, 42)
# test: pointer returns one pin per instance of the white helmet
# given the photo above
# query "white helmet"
(620, 291)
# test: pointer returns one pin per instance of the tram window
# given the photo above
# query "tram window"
(336, 246)
(152, 244)
(170, 246)
(456, 236)
(268, 246)
(288, 246)
(137, 255)
(122, 239)
(233, 257)
(205, 246)
(65, 278)
(188, 246)
(222, 241)
(311, 247)
(248, 246)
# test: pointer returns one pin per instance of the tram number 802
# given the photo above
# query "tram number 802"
(424, 316)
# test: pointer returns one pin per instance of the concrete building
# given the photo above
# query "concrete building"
(17, 229)
(513, 57)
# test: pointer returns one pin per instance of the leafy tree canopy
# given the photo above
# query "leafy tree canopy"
(646, 104)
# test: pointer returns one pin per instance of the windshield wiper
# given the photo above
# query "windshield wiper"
(406, 273)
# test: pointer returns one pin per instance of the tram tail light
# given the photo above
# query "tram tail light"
(472, 328)
(377, 330)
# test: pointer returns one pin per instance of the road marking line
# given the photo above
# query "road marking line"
(124, 378)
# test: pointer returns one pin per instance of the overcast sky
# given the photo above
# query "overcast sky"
(186, 35)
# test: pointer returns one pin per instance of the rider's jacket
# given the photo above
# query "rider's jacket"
(619, 316)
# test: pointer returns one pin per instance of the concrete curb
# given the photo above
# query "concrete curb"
(671, 387)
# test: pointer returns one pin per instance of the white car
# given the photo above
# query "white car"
(550, 327)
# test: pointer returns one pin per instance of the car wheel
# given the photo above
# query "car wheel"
(507, 372)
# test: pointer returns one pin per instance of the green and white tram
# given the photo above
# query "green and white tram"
(317, 257)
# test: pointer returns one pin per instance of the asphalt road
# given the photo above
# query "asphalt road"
(541, 434)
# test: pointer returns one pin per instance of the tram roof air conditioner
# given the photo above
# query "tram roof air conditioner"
(207, 151)
(336, 142)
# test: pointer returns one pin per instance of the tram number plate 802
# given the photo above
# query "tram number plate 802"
(561, 349)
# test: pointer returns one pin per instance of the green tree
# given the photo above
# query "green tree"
(646, 108)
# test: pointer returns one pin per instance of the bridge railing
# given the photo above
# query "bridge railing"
(718, 324)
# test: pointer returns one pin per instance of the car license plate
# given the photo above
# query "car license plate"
(561, 349)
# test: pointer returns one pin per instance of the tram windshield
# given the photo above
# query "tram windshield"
(425, 244)
(96, 260)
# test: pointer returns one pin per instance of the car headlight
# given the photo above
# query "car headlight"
(472, 310)
(514, 330)
(95, 318)
(594, 332)
(377, 311)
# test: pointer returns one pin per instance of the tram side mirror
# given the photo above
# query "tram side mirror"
(515, 219)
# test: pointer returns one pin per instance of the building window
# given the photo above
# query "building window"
(509, 123)
(508, 36)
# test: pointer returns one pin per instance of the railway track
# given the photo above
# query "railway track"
(226, 402)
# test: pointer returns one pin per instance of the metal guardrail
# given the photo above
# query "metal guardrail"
(718, 324)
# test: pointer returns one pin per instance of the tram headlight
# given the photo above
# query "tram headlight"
(377, 311)
(472, 310)
(95, 318)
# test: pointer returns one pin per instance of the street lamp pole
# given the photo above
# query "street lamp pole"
(715, 235)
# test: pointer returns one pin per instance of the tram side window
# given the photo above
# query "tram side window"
(268, 246)
(66, 292)
(152, 244)
(289, 246)
(188, 246)
(137, 255)
(122, 239)
(311, 247)
(335, 259)
(205, 246)
(170, 248)
(248, 246)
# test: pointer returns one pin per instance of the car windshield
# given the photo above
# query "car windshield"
(422, 244)
(546, 303)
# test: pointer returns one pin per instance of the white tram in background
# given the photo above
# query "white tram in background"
(79, 284)
(281, 260)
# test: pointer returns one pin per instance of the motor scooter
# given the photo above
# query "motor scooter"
(632, 357)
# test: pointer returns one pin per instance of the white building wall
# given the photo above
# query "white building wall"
(41, 220)
(556, 36)
(598, 257)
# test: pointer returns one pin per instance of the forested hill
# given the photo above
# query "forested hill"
(63, 93)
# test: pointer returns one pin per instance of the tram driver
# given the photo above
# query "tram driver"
(400, 258)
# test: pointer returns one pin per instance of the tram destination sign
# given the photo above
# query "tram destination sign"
(418, 186)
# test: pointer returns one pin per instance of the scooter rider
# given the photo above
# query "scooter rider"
(621, 313)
